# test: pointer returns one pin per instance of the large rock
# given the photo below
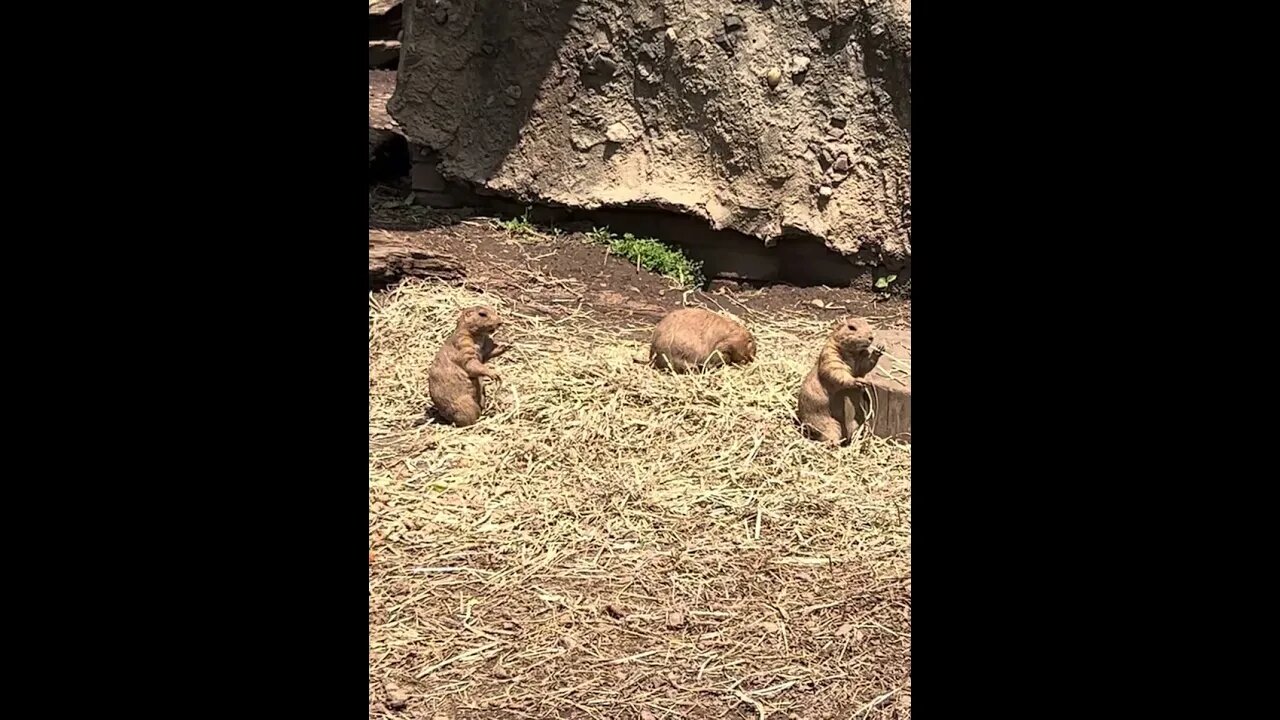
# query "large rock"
(786, 118)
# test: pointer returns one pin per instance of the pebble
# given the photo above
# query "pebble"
(618, 133)
(397, 698)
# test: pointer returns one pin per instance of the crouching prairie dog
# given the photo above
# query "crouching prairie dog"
(454, 380)
(692, 338)
(830, 394)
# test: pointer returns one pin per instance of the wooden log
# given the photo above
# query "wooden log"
(394, 257)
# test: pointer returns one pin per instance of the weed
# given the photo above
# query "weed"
(518, 225)
(652, 255)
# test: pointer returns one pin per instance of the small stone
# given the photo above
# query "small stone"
(514, 91)
(441, 13)
(675, 619)
(501, 673)
(841, 165)
(799, 65)
(508, 625)
(844, 630)
(397, 698)
(671, 34)
(618, 133)
(774, 76)
(646, 715)
(770, 626)
(604, 65)
(568, 642)
(733, 23)
(489, 48)
(825, 191)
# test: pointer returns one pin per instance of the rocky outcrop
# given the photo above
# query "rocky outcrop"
(787, 118)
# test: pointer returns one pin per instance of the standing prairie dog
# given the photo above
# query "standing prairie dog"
(693, 338)
(454, 380)
(833, 388)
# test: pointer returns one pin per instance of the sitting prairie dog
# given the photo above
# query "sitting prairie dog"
(693, 338)
(834, 386)
(454, 380)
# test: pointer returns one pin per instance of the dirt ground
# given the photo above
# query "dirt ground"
(557, 273)
(612, 542)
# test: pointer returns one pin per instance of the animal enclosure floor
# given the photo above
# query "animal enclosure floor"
(614, 542)
(557, 273)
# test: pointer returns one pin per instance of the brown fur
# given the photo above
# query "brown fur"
(454, 380)
(835, 385)
(693, 338)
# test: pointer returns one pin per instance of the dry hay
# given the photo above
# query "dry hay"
(611, 541)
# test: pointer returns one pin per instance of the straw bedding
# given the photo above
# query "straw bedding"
(611, 541)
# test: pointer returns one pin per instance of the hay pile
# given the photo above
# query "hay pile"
(615, 542)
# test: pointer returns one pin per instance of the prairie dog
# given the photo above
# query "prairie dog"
(692, 338)
(454, 380)
(833, 388)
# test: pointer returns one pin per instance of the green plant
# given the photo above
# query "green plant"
(651, 254)
(518, 225)
(883, 281)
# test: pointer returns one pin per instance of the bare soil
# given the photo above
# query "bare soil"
(559, 273)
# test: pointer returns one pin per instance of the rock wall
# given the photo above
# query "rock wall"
(787, 118)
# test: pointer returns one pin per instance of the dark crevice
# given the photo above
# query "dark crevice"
(390, 162)
(386, 26)
(798, 260)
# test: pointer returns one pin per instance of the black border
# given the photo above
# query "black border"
(259, 459)
(254, 546)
